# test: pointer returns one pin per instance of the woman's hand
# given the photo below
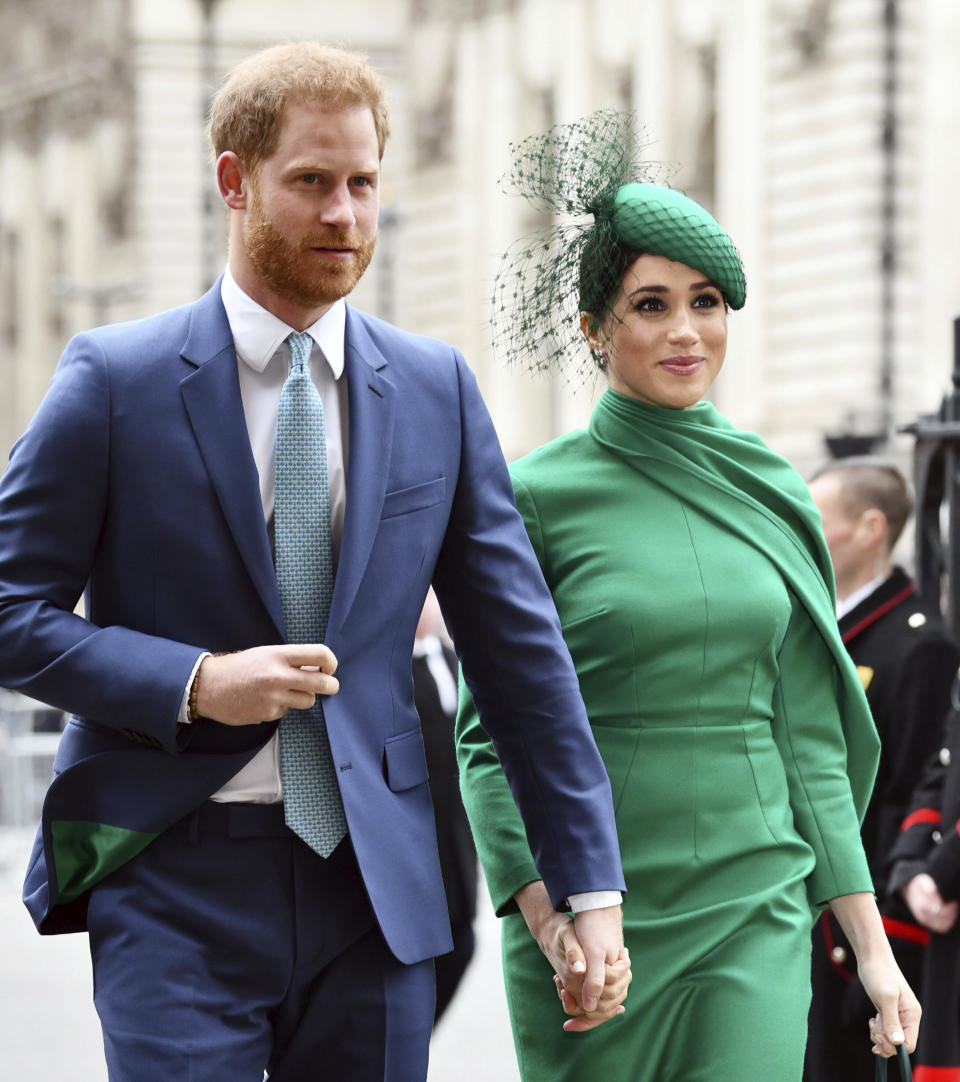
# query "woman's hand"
(928, 908)
(898, 1012)
(556, 936)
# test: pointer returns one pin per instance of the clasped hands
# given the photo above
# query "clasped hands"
(590, 963)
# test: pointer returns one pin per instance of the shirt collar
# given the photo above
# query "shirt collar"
(849, 603)
(426, 645)
(258, 334)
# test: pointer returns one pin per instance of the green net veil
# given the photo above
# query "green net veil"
(606, 205)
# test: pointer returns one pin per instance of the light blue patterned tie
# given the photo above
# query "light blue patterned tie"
(304, 563)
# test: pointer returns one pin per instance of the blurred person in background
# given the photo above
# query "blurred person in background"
(924, 874)
(435, 695)
(907, 662)
(694, 589)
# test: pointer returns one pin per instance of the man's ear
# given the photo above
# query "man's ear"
(232, 180)
(873, 527)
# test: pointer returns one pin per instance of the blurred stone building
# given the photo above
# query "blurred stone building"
(822, 134)
(108, 205)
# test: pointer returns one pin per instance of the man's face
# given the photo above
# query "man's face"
(840, 528)
(311, 220)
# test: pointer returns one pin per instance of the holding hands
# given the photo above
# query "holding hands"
(591, 965)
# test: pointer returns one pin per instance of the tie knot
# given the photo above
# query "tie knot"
(301, 346)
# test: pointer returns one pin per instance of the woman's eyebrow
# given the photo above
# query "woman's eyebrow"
(694, 286)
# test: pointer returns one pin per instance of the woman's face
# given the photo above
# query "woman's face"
(666, 336)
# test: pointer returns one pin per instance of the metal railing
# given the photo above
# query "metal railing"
(936, 478)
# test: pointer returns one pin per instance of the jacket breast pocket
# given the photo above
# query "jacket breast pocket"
(415, 498)
(405, 761)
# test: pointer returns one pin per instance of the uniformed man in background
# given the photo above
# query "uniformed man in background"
(925, 873)
(907, 662)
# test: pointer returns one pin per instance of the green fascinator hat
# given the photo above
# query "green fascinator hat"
(663, 221)
(602, 206)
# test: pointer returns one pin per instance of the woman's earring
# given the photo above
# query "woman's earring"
(601, 359)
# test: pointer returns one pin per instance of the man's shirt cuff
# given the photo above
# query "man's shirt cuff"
(594, 899)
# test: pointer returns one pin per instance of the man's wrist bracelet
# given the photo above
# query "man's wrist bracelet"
(192, 714)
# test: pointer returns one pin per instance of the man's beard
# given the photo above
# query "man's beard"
(295, 272)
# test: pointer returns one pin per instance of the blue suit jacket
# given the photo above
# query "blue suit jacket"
(135, 483)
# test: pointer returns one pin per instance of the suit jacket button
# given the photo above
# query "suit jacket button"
(944, 756)
(936, 835)
(838, 956)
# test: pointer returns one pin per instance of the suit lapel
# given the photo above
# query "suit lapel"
(211, 395)
(371, 418)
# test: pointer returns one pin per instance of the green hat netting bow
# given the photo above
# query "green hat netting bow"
(587, 171)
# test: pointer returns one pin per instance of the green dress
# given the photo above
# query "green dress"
(694, 591)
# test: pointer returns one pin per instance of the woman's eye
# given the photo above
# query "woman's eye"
(649, 304)
(706, 300)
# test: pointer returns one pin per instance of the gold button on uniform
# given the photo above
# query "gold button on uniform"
(944, 756)
(838, 955)
(916, 619)
(936, 835)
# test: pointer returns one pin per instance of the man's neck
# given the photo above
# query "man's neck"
(874, 573)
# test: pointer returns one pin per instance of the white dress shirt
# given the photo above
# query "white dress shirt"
(431, 648)
(263, 364)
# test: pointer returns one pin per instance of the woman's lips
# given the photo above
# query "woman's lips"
(683, 366)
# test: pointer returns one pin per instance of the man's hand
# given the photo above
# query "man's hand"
(600, 934)
(262, 684)
(928, 908)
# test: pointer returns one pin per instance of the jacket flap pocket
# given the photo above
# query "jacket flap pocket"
(405, 500)
(405, 761)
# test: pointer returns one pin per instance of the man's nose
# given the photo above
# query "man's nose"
(338, 208)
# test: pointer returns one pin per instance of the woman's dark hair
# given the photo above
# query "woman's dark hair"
(603, 261)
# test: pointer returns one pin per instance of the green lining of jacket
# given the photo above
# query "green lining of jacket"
(85, 852)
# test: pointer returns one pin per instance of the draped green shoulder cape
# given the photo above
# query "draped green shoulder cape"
(734, 477)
